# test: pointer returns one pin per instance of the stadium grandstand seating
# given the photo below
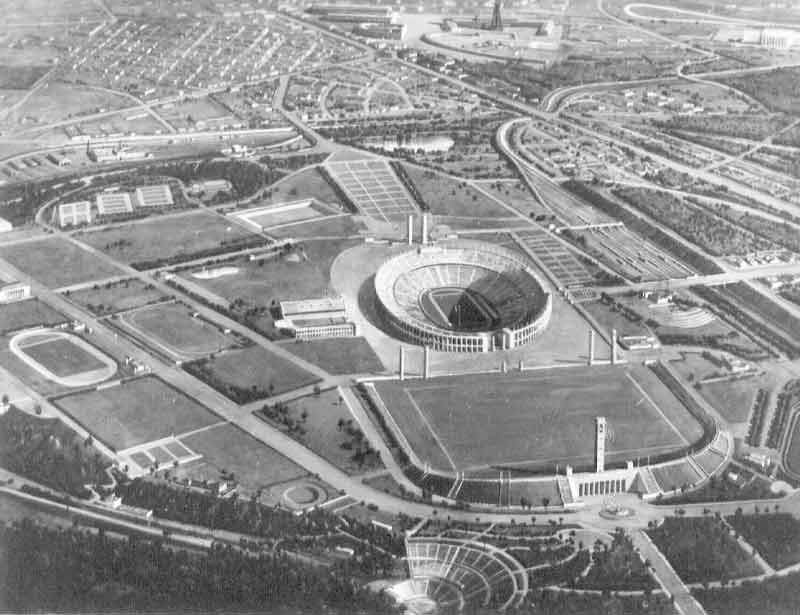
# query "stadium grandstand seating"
(673, 316)
(479, 491)
(535, 492)
(676, 474)
(510, 293)
(484, 575)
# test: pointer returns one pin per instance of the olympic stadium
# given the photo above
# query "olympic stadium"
(462, 296)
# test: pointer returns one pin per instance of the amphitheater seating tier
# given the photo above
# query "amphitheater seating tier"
(483, 575)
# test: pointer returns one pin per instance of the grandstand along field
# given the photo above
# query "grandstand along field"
(135, 412)
(537, 419)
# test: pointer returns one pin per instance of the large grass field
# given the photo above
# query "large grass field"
(28, 313)
(303, 274)
(249, 374)
(56, 262)
(226, 447)
(117, 297)
(165, 238)
(450, 197)
(135, 412)
(305, 184)
(329, 430)
(343, 355)
(539, 418)
(62, 357)
(170, 327)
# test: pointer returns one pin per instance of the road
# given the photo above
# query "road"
(666, 576)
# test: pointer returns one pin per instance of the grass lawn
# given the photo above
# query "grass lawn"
(56, 262)
(303, 274)
(248, 374)
(449, 197)
(136, 411)
(323, 433)
(28, 313)
(117, 297)
(305, 184)
(732, 398)
(253, 464)
(611, 319)
(170, 326)
(343, 355)
(516, 194)
(702, 549)
(491, 419)
(165, 238)
(62, 357)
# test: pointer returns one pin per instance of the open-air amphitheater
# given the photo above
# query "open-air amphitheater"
(466, 296)
(448, 574)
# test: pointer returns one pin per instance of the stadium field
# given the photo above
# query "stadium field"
(538, 419)
(170, 327)
(135, 412)
(62, 357)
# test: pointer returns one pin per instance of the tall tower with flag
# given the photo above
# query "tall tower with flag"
(497, 18)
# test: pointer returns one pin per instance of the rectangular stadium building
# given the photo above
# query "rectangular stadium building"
(158, 195)
(316, 318)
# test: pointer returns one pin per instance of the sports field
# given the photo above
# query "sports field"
(61, 356)
(170, 327)
(28, 313)
(539, 418)
(56, 262)
(165, 238)
(135, 412)
(251, 373)
(117, 297)
(458, 309)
